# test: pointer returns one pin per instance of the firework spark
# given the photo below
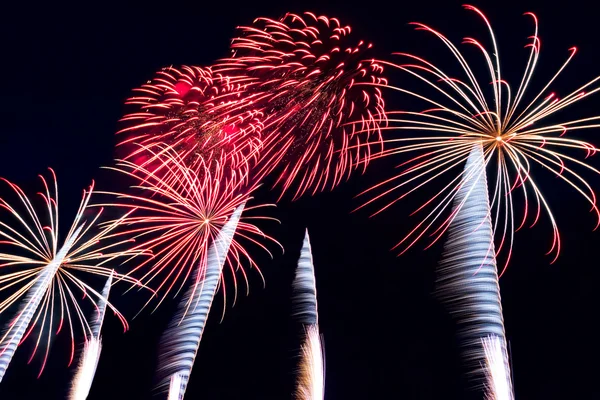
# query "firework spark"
(303, 73)
(467, 277)
(44, 276)
(511, 130)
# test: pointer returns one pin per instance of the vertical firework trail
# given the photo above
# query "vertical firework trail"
(467, 276)
(497, 370)
(82, 382)
(181, 340)
(311, 374)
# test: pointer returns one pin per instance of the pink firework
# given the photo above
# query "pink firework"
(303, 74)
(202, 116)
(177, 214)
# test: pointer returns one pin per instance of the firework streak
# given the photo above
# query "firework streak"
(497, 371)
(311, 375)
(82, 382)
(467, 276)
(181, 340)
(46, 274)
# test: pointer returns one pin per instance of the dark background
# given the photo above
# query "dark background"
(65, 71)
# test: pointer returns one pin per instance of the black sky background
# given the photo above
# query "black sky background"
(66, 70)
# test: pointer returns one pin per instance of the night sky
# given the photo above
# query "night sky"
(66, 70)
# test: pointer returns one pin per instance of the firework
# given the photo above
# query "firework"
(497, 370)
(176, 214)
(45, 276)
(509, 128)
(82, 382)
(175, 387)
(311, 377)
(467, 279)
(480, 132)
(181, 340)
(200, 115)
(303, 73)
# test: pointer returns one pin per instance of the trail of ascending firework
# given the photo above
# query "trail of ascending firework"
(472, 131)
(201, 115)
(311, 374)
(497, 371)
(45, 271)
(82, 382)
(181, 340)
(467, 279)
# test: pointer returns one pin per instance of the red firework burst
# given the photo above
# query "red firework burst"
(304, 74)
(177, 214)
(202, 116)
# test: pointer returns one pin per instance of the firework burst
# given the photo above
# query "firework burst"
(511, 129)
(303, 72)
(176, 214)
(200, 115)
(45, 276)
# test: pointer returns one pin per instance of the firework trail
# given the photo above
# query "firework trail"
(303, 72)
(82, 382)
(467, 275)
(181, 340)
(44, 277)
(175, 387)
(497, 371)
(478, 133)
(311, 376)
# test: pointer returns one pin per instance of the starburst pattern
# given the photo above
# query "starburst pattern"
(177, 213)
(510, 125)
(45, 276)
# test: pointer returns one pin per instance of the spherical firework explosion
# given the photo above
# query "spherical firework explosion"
(200, 115)
(510, 129)
(177, 214)
(45, 276)
(303, 73)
